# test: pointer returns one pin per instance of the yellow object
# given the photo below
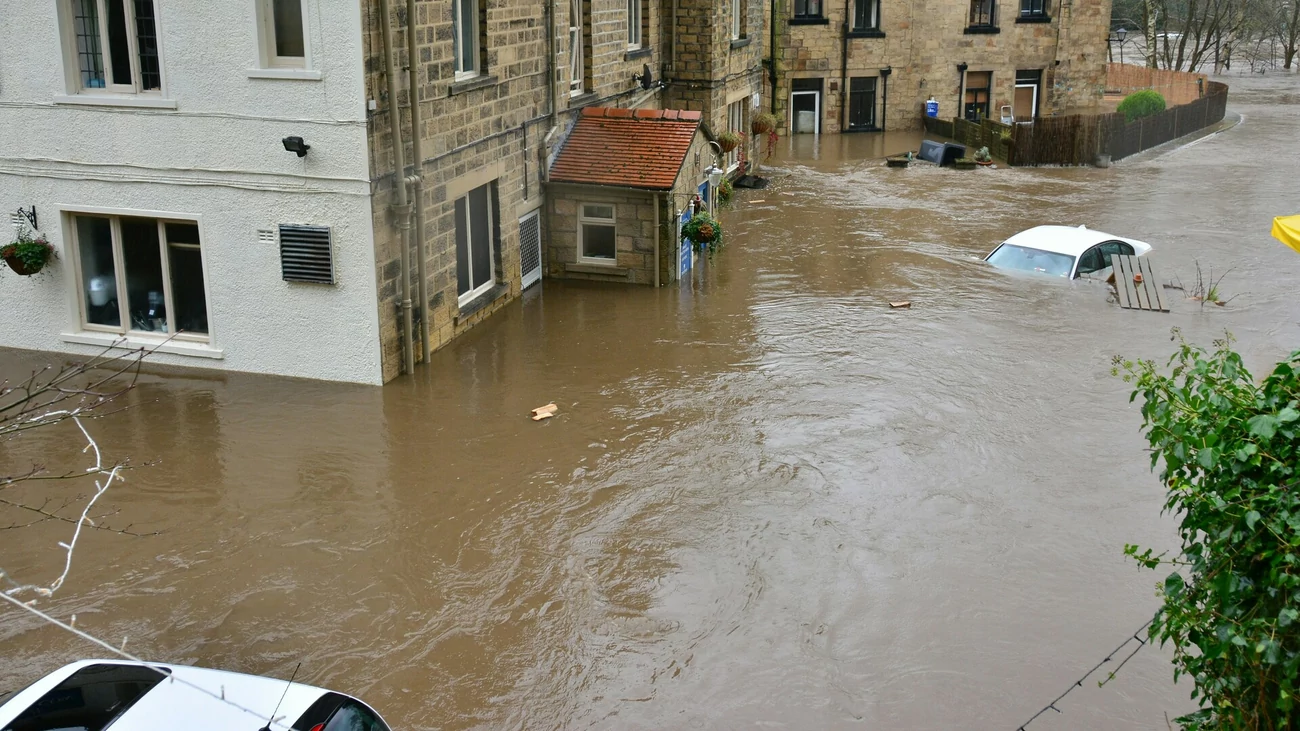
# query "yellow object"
(1287, 230)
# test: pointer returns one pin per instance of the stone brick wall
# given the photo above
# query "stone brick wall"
(923, 41)
(634, 234)
(708, 69)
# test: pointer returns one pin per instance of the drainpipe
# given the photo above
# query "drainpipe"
(659, 201)
(961, 88)
(884, 95)
(771, 57)
(402, 209)
(417, 180)
(672, 48)
(844, 65)
(550, 57)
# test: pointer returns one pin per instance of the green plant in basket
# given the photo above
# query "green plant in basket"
(704, 232)
(28, 253)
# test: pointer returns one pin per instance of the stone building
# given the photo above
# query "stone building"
(500, 85)
(870, 65)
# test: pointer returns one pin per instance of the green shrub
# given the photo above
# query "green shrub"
(1141, 104)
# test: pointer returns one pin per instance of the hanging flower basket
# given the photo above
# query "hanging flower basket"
(704, 232)
(28, 254)
(729, 141)
(762, 124)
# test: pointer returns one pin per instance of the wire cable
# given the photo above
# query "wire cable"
(1079, 683)
(156, 667)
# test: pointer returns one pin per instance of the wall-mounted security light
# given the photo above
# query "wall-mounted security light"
(296, 146)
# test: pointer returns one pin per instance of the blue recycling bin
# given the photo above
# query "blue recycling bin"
(932, 108)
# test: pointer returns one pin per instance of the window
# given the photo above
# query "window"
(476, 243)
(1033, 8)
(141, 275)
(735, 123)
(807, 8)
(979, 84)
(596, 228)
(1091, 261)
(634, 24)
(464, 33)
(91, 698)
(737, 19)
(983, 13)
(284, 39)
(866, 15)
(577, 68)
(862, 103)
(116, 45)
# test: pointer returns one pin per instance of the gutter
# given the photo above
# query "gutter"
(417, 180)
(402, 209)
(844, 64)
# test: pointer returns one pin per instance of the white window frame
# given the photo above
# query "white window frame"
(76, 83)
(634, 25)
(577, 68)
(584, 219)
(115, 216)
(736, 123)
(493, 247)
(737, 14)
(268, 57)
(462, 72)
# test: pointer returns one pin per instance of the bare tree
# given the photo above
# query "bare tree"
(31, 494)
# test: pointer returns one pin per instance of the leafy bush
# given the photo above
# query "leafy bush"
(725, 190)
(1141, 104)
(1231, 452)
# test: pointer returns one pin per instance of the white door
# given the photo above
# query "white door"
(805, 112)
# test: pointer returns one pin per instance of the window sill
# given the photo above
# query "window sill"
(610, 270)
(478, 82)
(293, 74)
(481, 301)
(1034, 19)
(810, 21)
(867, 33)
(132, 342)
(854, 130)
(583, 99)
(740, 43)
(93, 100)
(982, 30)
(633, 53)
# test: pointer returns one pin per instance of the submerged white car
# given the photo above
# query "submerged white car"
(1064, 251)
(94, 695)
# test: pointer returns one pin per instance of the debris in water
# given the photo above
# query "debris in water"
(544, 412)
(904, 305)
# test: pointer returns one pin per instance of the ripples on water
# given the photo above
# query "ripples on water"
(768, 498)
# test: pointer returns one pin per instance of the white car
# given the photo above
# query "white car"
(1064, 251)
(93, 695)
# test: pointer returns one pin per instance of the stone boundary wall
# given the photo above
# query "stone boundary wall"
(1177, 87)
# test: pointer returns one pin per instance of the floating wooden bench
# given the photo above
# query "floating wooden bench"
(1136, 284)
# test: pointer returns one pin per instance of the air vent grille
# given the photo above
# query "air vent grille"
(530, 249)
(306, 254)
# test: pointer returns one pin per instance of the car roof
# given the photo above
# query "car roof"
(1069, 240)
(180, 702)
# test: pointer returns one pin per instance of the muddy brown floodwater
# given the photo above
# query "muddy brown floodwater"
(768, 500)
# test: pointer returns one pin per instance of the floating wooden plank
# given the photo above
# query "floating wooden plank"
(548, 407)
(1136, 284)
(904, 305)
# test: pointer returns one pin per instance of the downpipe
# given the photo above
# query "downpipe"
(402, 209)
(417, 181)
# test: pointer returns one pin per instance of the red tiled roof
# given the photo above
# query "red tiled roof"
(628, 148)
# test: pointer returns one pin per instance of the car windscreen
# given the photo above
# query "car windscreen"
(335, 712)
(1010, 256)
(89, 699)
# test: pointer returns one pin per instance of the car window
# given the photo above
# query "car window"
(1010, 256)
(1111, 248)
(1092, 261)
(353, 716)
(89, 699)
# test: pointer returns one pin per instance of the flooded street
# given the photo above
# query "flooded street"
(768, 499)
